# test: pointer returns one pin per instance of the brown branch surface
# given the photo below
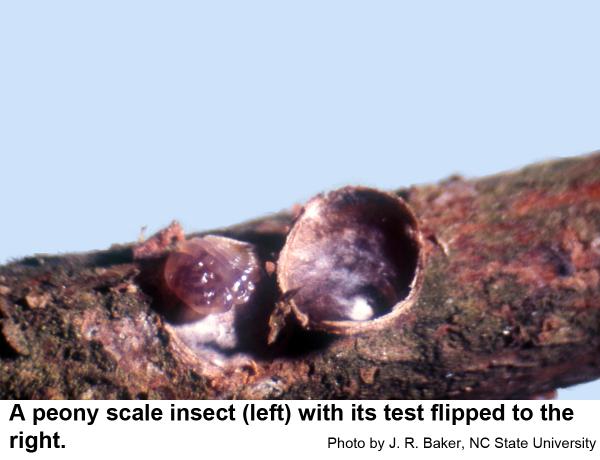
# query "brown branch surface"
(510, 307)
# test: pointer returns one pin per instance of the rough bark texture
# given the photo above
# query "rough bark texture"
(510, 307)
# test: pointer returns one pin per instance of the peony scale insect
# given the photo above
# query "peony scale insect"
(214, 279)
(212, 274)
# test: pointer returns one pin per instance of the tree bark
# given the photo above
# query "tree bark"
(509, 308)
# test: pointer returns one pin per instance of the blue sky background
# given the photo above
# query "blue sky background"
(115, 115)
